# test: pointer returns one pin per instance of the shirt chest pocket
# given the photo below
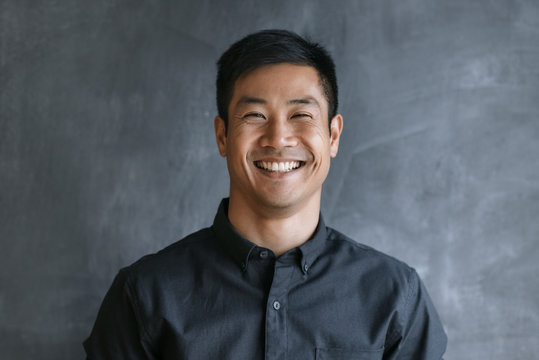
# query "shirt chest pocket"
(342, 354)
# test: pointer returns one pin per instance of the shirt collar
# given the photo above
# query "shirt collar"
(240, 248)
(311, 249)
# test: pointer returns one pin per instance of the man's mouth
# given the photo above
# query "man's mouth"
(278, 166)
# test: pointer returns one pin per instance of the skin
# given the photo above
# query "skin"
(278, 113)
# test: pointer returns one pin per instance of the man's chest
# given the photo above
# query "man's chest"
(273, 313)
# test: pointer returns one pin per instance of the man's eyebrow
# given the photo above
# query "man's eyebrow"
(304, 101)
(250, 100)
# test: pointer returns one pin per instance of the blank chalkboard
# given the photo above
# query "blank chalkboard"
(107, 151)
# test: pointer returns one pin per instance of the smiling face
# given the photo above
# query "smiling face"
(278, 144)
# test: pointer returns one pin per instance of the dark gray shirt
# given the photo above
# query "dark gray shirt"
(215, 295)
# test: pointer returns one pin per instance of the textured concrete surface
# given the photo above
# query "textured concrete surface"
(107, 151)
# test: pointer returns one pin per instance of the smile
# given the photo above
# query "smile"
(275, 166)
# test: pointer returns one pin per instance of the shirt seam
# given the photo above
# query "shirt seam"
(411, 290)
(145, 335)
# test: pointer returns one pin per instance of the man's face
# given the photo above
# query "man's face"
(278, 146)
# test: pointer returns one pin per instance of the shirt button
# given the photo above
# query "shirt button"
(305, 267)
(276, 305)
(263, 254)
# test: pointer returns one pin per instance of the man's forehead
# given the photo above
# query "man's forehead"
(269, 68)
(299, 84)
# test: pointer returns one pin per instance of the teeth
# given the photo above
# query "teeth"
(278, 166)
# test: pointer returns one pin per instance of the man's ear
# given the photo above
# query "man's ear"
(335, 130)
(220, 134)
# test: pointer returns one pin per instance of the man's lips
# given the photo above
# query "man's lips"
(278, 166)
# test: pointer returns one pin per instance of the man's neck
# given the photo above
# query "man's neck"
(276, 229)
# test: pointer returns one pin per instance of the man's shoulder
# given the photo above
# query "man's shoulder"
(368, 258)
(175, 257)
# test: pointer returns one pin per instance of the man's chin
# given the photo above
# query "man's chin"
(284, 203)
(273, 201)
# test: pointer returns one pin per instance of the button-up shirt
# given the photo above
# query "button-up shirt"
(216, 295)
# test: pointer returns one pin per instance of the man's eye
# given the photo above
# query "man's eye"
(301, 115)
(255, 115)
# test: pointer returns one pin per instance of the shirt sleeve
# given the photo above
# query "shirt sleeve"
(117, 332)
(421, 335)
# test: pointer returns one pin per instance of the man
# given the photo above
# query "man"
(269, 280)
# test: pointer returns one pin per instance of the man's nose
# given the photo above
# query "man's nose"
(279, 133)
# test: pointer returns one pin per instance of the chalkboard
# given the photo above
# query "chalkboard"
(107, 151)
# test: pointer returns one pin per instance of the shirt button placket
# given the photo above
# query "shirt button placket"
(276, 327)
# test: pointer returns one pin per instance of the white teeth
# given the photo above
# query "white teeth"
(278, 166)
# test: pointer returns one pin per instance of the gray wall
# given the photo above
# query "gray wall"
(107, 151)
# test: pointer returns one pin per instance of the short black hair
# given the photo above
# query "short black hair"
(268, 47)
